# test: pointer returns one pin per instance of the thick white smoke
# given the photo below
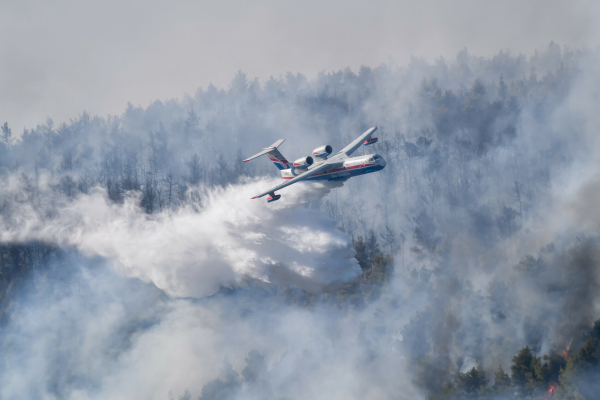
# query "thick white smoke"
(463, 292)
(124, 342)
(223, 241)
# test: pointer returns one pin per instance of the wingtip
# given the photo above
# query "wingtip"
(245, 160)
(255, 197)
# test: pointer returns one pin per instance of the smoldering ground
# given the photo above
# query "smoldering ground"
(486, 206)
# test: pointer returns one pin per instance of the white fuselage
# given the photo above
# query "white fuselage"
(348, 168)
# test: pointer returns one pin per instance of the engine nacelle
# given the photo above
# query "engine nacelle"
(303, 162)
(323, 151)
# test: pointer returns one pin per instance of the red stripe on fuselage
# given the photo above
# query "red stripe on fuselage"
(334, 170)
(343, 169)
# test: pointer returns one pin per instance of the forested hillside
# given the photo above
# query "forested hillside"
(133, 262)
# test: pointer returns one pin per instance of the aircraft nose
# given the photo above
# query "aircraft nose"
(382, 162)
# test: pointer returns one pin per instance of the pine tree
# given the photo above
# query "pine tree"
(361, 256)
(192, 123)
(502, 380)
(6, 137)
(194, 170)
(469, 383)
(521, 367)
(371, 246)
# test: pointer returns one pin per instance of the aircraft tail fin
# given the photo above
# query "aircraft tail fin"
(274, 155)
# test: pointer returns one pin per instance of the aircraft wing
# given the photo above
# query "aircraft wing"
(351, 148)
(266, 150)
(324, 166)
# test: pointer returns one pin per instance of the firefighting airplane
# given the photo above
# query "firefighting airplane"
(338, 167)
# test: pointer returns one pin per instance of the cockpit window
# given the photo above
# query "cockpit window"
(376, 157)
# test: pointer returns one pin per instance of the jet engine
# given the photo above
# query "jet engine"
(303, 162)
(323, 151)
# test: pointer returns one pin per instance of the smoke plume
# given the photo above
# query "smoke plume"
(136, 265)
(222, 241)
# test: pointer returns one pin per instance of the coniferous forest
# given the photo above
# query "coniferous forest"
(133, 263)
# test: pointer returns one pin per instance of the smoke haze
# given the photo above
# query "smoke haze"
(135, 264)
(63, 57)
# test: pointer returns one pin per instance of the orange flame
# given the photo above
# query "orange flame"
(550, 391)
(566, 352)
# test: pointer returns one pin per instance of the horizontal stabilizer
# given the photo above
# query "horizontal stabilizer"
(266, 150)
(348, 150)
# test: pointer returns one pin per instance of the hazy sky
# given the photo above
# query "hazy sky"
(61, 57)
